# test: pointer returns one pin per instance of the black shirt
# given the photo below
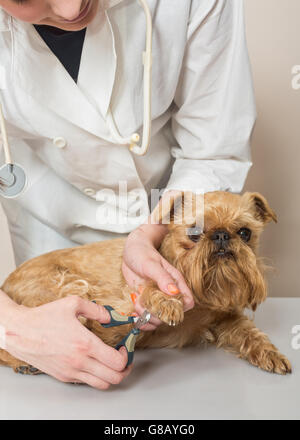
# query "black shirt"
(66, 46)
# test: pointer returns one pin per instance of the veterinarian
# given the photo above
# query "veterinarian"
(65, 66)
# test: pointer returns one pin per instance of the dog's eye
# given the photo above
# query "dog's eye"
(245, 234)
(194, 234)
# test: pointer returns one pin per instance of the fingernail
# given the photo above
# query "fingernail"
(173, 289)
(133, 297)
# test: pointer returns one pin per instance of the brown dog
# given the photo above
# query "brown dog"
(220, 265)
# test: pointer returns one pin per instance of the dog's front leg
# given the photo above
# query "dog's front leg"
(167, 308)
(239, 335)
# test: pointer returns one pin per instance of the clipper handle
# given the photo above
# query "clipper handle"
(116, 319)
(129, 343)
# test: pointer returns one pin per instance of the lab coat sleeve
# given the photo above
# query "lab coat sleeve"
(215, 109)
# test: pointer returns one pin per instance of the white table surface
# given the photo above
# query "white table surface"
(193, 383)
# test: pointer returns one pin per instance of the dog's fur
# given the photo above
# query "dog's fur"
(222, 285)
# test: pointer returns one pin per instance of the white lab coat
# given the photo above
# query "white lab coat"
(203, 114)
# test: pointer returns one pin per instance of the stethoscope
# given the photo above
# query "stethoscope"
(13, 177)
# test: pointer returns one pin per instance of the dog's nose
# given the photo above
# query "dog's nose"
(220, 237)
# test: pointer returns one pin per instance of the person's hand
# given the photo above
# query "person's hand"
(142, 261)
(52, 339)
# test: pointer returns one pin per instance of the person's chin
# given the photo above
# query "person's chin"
(78, 26)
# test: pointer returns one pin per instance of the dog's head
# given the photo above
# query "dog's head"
(213, 241)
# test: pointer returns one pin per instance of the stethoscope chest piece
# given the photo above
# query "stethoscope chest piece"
(12, 180)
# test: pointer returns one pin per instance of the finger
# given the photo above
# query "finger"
(140, 309)
(124, 353)
(92, 381)
(109, 356)
(90, 310)
(101, 371)
(149, 328)
(169, 280)
(156, 272)
(188, 299)
(133, 280)
(155, 322)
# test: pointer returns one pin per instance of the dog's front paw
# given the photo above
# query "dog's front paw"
(167, 308)
(272, 361)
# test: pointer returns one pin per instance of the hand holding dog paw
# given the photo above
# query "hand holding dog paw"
(142, 262)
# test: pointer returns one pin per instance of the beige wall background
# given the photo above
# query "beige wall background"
(274, 46)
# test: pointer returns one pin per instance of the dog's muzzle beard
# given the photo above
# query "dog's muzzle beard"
(221, 254)
(226, 282)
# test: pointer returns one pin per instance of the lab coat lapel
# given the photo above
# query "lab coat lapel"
(110, 3)
(40, 74)
(98, 63)
(4, 21)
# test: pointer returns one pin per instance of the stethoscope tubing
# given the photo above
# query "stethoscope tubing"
(131, 141)
(6, 148)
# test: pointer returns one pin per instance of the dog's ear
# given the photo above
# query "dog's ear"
(168, 206)
(259, 207)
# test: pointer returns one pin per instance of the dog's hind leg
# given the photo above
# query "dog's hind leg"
(28, 370)
(6, 358)
(17, 365)
(239, 335)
